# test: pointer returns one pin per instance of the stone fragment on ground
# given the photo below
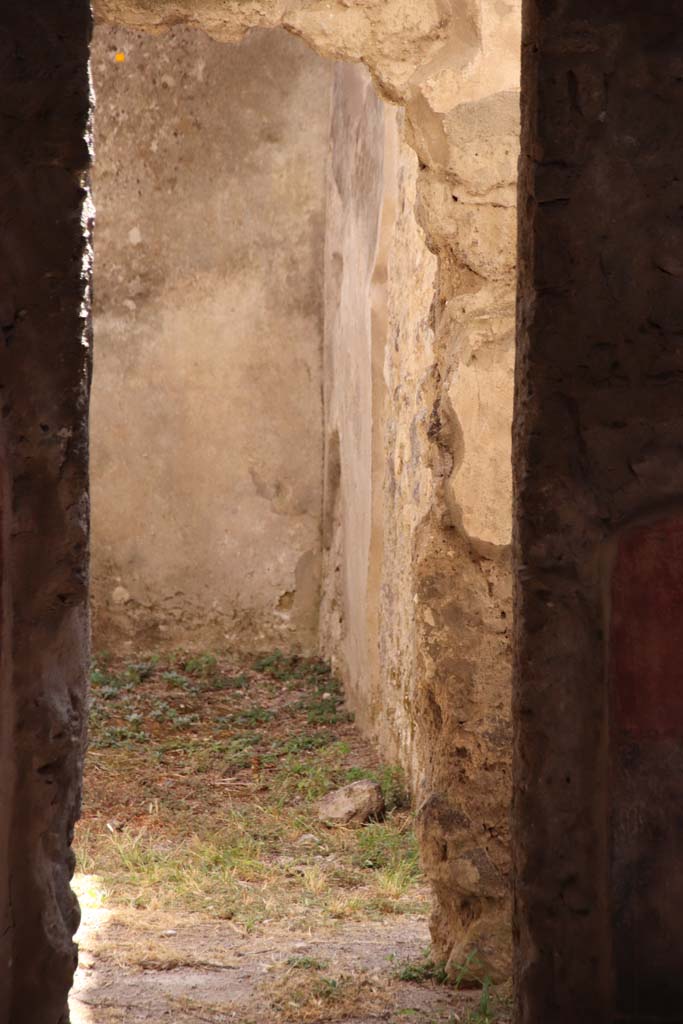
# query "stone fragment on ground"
(308, 839)
(353, 804)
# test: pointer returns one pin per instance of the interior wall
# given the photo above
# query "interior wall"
(206, 424)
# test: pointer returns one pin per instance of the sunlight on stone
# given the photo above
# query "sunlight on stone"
(94, 916)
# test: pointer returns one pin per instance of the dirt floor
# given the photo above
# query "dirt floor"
(211, 892)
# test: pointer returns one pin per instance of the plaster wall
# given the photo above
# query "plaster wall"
(206, 420)
(354, 346)
(379, 348)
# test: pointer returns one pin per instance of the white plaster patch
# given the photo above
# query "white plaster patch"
(120, 596)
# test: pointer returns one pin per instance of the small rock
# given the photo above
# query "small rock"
(120, 596)
(308, 839)
(353, 804)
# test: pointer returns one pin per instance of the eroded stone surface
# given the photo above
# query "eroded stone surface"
(598, 436)
(44, 371)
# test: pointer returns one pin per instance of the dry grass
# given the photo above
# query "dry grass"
(318, 995)
(201, 782)
(199, 849)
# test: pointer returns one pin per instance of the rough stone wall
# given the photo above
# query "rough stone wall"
(426, 669)
(44, 376)
(454, 69)
(206, 422)
(599, 493)
(405, 479)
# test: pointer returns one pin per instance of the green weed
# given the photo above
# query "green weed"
(490, 1006)
(179, 682)
(251, 716)
(380, 845)
(423, 970)
(219, 682)
(200, 665)
(164, 712)
(306, 963)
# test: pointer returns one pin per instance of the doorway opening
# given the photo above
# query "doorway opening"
(247, 201)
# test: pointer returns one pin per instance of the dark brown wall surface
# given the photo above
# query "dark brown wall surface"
(44, 376)
(646, 765)
(598, 450)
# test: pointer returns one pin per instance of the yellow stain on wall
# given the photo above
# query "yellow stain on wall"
(119, 58)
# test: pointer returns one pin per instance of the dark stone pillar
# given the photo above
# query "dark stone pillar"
(598, 807)
(44, 378)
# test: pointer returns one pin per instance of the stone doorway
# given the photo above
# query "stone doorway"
(246, 218)
(442, 651)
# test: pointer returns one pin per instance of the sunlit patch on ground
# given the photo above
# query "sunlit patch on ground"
(94, 918)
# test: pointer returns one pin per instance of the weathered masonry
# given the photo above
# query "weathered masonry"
(44, 376)
(598, 482)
